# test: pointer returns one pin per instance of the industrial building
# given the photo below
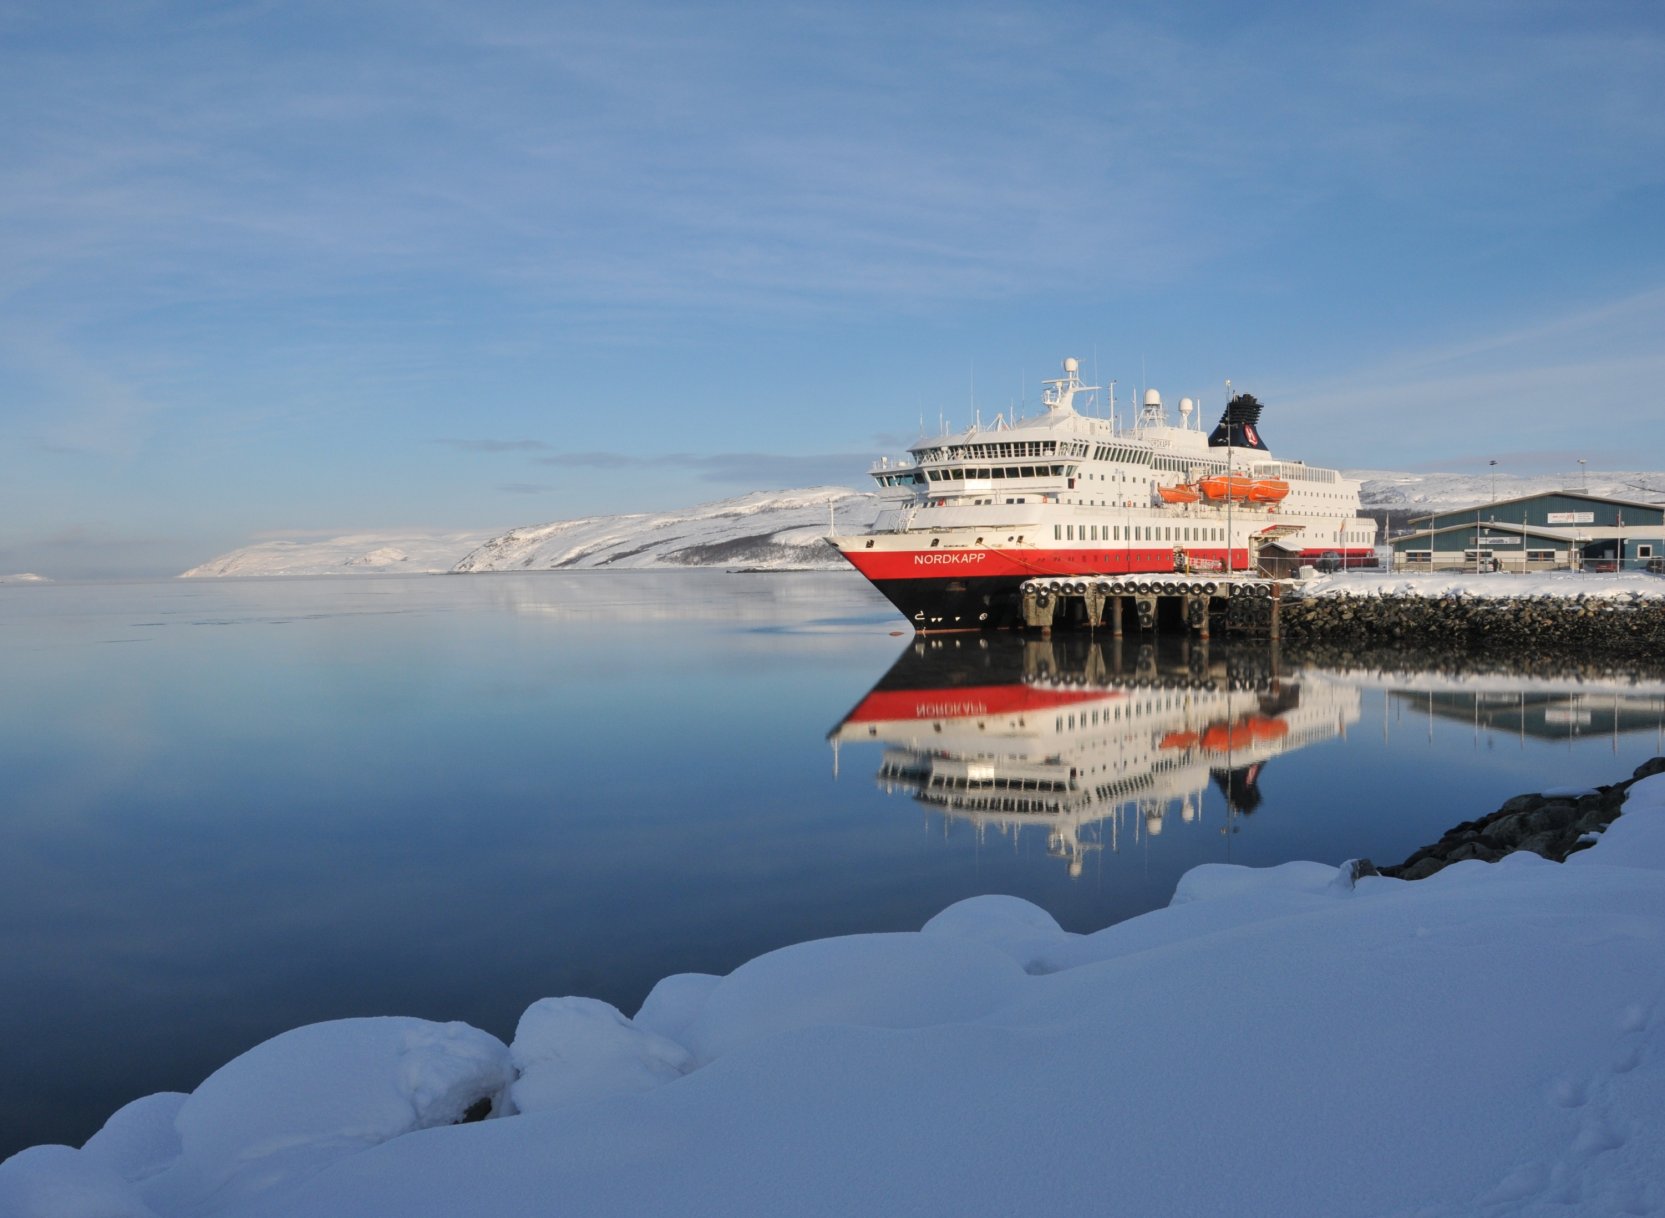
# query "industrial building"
(1549, 531)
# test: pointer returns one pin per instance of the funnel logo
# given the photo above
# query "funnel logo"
(1249, 435)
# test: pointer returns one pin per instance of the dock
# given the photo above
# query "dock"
(1153, 603)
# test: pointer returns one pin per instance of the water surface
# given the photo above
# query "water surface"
(232, 807)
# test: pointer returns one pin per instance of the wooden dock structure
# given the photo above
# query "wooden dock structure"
(1154, 603)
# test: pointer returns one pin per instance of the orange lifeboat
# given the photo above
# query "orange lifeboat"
(1254, 729)
(1242, 488)
(1226, 486)
(1178, 494)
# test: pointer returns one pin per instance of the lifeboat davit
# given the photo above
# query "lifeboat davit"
(1178, 494)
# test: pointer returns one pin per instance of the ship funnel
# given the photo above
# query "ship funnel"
(1239, 425)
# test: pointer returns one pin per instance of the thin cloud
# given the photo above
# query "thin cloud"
(525, 488)
(741, 468)
(492, 446)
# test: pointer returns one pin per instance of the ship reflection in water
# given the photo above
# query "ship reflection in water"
(1099, 741)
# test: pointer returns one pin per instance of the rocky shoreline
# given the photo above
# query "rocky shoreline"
(1635, 623)
(1553, 824)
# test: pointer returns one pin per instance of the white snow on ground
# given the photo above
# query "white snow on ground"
(24, 577)
(1620, 586)
(1286, 1042)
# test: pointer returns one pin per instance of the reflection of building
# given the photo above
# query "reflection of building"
(1545, 713)
(1077, 734)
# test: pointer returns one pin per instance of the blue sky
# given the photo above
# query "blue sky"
(276, 269)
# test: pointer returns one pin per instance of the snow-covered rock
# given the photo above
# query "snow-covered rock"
(141, 1138)
(897, 980)
(291, 1105)
(579, 1050)
(674, 1002)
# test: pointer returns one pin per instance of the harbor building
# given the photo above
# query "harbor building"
(1550, 531)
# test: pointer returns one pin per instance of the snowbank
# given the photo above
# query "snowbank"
(1620, 586)
(1279, 1042)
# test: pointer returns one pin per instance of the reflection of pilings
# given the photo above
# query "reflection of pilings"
(1078, 660)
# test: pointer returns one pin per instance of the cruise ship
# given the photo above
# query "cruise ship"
(967, 518)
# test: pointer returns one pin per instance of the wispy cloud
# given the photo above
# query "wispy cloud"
(493, 446)
(751, 469)
(525, 488)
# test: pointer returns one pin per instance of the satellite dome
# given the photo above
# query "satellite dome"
(1072, 364)
(1152, 398)
(1186, 405)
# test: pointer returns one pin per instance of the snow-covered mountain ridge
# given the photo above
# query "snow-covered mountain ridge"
(766, 529)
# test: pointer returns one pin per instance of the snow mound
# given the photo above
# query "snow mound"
(1212, 881)
(58, 1182)
(875, 981)
(141, 1138)
(673, 1003)
(1025, 932)
(294, 1103)
(578, 1050)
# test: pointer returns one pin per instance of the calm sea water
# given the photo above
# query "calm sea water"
(229, 808)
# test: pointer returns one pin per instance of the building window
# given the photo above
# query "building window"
(1644, 551)
(1419, 556)
(1540, 556)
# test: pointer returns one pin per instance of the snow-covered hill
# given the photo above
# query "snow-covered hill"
(780, 529)
(774, 529)
(405, 550)
(1447, 492)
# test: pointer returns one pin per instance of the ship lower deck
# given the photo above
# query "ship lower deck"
(968, 589)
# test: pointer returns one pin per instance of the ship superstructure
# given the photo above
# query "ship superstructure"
(968, 517)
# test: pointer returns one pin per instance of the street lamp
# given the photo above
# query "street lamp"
(1584, 475)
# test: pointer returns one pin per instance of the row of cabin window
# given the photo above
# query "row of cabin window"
(1014, 471)
(1004, 452)
(1135, 532)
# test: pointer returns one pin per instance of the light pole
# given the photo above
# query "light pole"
(1584, 475)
